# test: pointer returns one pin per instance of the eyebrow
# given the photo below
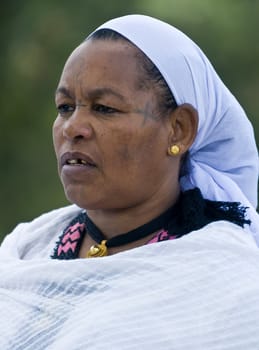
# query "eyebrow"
(95, 93)
(64, 91)
(99, 92)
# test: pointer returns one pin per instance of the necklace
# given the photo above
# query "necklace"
(191, 212)
(101, 248)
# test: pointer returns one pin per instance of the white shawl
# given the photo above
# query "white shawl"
(197, 292)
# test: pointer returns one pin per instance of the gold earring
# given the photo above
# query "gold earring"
(173, 150)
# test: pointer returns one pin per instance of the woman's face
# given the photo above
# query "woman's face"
(110, 145)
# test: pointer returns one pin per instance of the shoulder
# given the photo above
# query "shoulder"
(230, 231)
(223, 234)
(37, 238)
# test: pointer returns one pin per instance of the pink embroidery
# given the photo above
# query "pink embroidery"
(66, 247)
(70, 239)
(72, 236)
(172, 237)
(73, 232)
(161, 236)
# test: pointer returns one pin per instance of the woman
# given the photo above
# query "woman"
(151, 147)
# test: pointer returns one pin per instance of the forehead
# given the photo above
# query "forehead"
(99, 61)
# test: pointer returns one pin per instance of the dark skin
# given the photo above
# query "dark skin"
(128, 177)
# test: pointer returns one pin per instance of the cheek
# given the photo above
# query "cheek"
(136, 148)
(125, 151)
(126, 146)
(56, 134)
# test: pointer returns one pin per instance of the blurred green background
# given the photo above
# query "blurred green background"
(36, 38)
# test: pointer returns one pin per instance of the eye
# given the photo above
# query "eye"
(104, 109)
(65, 109)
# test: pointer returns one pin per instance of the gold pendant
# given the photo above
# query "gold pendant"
(97, 250)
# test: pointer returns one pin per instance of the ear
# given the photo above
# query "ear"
(184, 125)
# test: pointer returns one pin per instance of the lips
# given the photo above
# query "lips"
(76, 159)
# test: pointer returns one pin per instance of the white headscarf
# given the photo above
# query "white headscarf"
(223, 158)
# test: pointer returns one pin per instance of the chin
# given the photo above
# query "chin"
(82, 199)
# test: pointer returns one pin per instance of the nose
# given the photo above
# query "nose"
(78, 126)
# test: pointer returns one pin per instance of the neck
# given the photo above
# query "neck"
(113, 222)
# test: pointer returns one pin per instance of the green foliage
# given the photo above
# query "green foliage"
(37, 36)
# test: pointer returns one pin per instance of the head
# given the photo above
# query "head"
(116, 124)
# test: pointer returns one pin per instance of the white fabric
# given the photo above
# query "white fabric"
(197, 292)
(223, 158)
(37, 239)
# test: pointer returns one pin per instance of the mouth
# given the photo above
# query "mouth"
(76, 159)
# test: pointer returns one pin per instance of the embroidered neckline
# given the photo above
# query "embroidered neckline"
(192, 213)
(70, 241)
